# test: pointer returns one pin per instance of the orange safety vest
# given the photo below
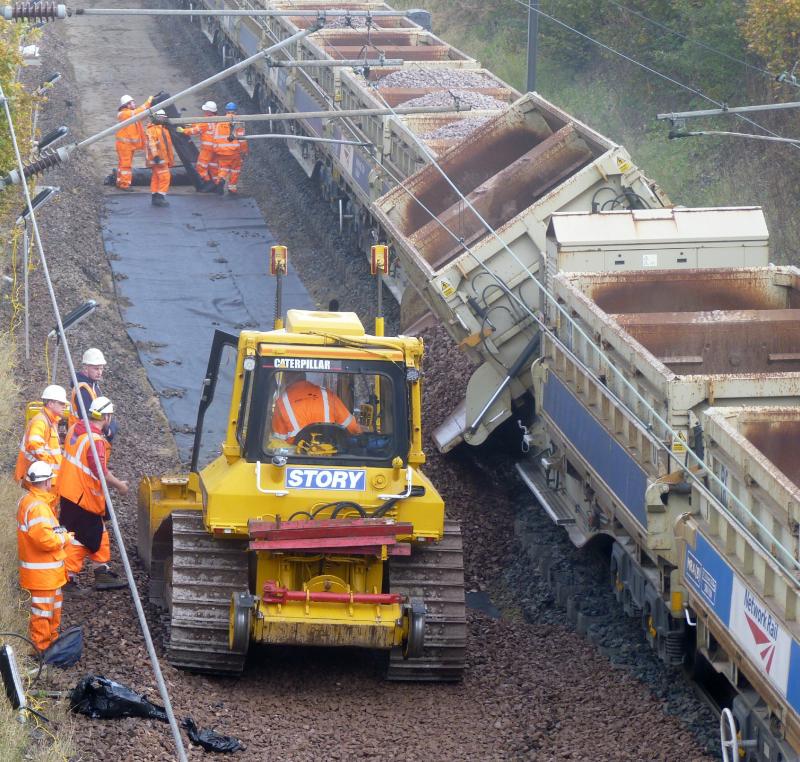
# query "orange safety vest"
(78, 482)
(40, 442)
(75, 410)
(205, 130)
(159, 145)
(133, 134)
(40, 547)
(304, 403)
(223, 145)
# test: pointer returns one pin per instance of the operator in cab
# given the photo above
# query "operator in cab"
(303, 403)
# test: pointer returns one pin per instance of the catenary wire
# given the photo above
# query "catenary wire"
(647, 68)
(162, 687)
(691, 40)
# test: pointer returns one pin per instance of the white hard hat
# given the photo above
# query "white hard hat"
(100, 406)
(161, 112)
(54, 393)
(209, 106)
(93, 356)
(125, 99)
(39, 472)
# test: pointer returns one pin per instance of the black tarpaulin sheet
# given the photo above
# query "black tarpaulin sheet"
(182, 272)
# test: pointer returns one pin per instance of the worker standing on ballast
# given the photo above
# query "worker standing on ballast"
(229, 152)
(93, 365)
(83, 504)
(206, 163)
(160, 157)
(40, 546)
(40, 442)
(130, 139)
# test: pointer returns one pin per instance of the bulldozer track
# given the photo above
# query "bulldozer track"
(434, 573)
(205, 572)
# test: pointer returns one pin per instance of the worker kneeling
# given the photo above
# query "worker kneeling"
(83, 504)
(41, 547)
(160, 157)
(304, 403)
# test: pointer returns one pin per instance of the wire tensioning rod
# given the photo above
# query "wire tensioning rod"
(50, 11)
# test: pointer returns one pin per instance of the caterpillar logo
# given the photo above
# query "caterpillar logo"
(352, 479)
(301, 363)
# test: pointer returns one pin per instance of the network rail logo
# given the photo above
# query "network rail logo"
(762, 636)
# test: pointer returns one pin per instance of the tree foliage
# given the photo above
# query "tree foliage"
(772, 28)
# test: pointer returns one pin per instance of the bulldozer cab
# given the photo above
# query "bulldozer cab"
(306, 403)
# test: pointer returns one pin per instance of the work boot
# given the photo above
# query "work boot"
(233, 193)
(105, 579)
(209, 186)
(71, 589)
(220, 188)
(126, 189)
(159, 199)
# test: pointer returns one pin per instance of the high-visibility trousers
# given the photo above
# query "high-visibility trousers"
(125, 153)
(77, 552)
(45, 617)
(229, 169)
(206, 166)
(160, 179)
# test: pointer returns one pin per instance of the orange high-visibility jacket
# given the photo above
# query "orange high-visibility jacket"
(223, 145)
(159, 145)
(40, 442)
(205, 130)
(304, 403)
(133, 134)
(40, 548)
(75, 410)
(79, 482)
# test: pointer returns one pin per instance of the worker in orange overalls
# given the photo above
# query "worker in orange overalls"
(303, 403)
(40, 545)
(40, 441)
(229, 152)
(206, 163)
(83, 504)
(130, 139)
(160, 158)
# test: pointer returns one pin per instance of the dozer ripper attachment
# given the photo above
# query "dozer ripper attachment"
(314, 525)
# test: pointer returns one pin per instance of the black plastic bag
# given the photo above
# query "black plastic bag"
(100, 698)
(66, 650)
(210, 740)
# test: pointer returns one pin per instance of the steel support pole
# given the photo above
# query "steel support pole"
(25, 264)
(533, 43)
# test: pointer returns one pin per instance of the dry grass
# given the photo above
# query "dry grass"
(33, 739)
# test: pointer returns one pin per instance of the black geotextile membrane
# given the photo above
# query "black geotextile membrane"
(181, 272)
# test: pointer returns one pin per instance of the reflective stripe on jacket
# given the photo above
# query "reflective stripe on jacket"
(40, 442)
(133, 134)
(205, 130)
(75, 411)
(304, 403)
(78, 481)
(223, 145)
(40, 547)
(159, 146)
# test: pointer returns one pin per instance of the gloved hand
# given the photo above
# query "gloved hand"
(180, 129)
(157, 160)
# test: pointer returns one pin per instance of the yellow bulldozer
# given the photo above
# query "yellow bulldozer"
(303, 531)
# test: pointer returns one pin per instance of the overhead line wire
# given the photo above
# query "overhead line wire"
(691, 40)
(162, 687)
(647, 68)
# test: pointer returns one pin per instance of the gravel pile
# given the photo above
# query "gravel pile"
(435, 76)
(342, 22)
(457, 130)
(533, 688)
(465, 97)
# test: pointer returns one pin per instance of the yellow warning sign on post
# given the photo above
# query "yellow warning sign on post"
(679, 444)
(446, 287)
